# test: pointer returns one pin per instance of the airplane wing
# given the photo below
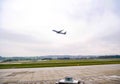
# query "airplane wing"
(58, 31)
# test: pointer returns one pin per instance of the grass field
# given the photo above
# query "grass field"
(59, 63)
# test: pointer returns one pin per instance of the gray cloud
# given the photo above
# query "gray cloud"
(92, 27)
(93, 9)
(12, 43)
(112, 38)
(17, 37)
(116, 7)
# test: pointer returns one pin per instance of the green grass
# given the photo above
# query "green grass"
(60, 63)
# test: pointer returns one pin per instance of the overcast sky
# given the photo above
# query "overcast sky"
(93, 27)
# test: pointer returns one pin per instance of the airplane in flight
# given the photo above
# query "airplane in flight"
(59, 32)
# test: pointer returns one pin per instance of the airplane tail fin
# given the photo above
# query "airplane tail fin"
(64, 32)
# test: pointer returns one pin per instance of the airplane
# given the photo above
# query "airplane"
(59, 32)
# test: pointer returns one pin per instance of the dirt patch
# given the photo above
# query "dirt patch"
(19, 73)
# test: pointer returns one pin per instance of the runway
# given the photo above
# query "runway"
(95, 74)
